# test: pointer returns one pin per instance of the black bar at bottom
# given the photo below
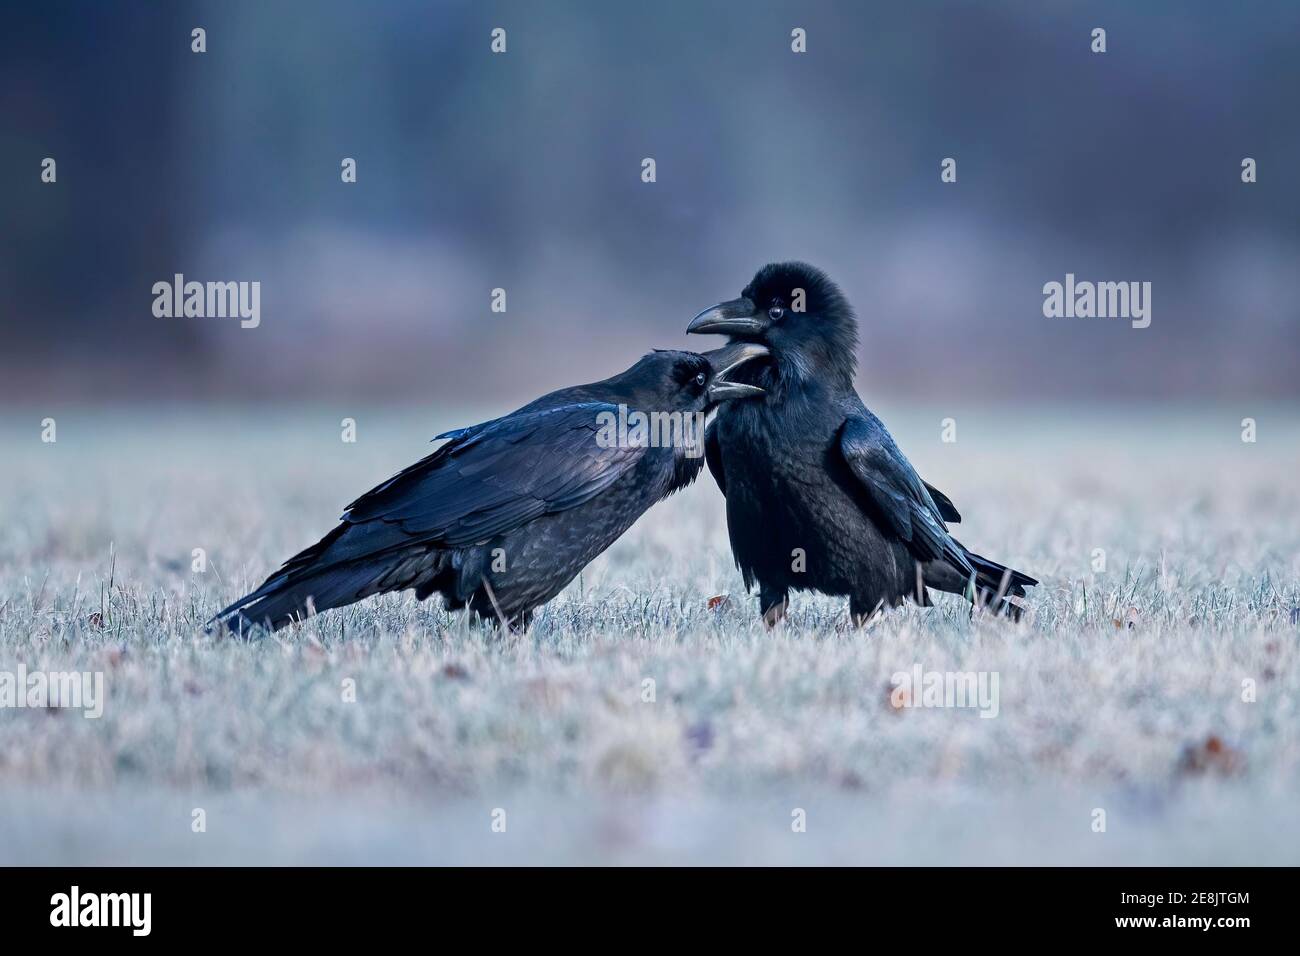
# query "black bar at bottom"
(331, 906)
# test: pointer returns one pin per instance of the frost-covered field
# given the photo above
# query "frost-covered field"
(1123, 693)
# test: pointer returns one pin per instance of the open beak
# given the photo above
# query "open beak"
(725, 361)
(738, 317)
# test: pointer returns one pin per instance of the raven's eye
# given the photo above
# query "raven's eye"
(700, 379)
(777, 312)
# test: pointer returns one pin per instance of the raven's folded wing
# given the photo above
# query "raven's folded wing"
(947, 510)
(487, 480)
(713, 455)
(900, 498)
(494, 477)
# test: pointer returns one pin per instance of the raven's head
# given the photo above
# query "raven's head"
(673, 381)
(799, 314)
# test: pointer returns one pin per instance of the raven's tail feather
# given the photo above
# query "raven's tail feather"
(996, 585)
(283, 600)
(334, 572)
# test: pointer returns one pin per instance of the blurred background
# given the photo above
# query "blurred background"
(522, 171)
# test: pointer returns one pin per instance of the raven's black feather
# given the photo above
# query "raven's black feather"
(505, 514)
(819, 496)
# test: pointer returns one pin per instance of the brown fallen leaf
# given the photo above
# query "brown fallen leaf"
(719, 601)
(1212, 756)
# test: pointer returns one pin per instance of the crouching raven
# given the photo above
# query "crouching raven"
(507, 512)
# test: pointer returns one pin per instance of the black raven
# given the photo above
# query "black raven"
(818, 495)
(507, 512)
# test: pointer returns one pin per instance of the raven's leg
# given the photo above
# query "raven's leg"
(488, 607)
(773, 602)
(862, 610)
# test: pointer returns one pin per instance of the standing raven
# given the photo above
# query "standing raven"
(818, 495)
(507, 512)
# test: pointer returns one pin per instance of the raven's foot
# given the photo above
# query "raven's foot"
(774, 608)
(862, 616)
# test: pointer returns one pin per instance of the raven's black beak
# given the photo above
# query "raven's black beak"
(738, 317)
(726, 360)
